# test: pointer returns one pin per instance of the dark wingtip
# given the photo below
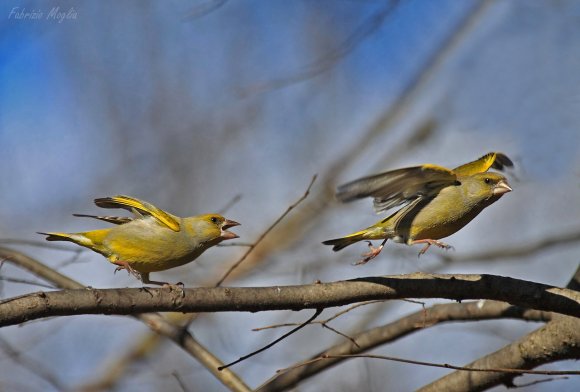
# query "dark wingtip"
(501, 161)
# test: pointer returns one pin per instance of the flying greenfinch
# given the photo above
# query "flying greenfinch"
(152, 240)
(436, 201)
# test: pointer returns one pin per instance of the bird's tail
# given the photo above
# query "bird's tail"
(343, 242)
(90, 239)
(77, 238)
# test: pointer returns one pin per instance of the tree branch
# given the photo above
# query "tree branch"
(418, 321)
(557, 340)
(320, 295)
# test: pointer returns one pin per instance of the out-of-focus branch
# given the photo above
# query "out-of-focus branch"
(557, 340)
(40, 244)
(205, 8)
(516, 251)
(155, 321)
(33, 366)
(314, 296)
(328, 60)
(418, 321)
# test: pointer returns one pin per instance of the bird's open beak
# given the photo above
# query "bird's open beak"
(501, 188)
(228, 235)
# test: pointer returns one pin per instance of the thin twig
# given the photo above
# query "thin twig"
(336, 315)
(316, 313)
(444, 365)
(336, 331)
(180, 382)
(529, 384)
(265, 233)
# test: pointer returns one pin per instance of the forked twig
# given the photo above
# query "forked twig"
(316, 314)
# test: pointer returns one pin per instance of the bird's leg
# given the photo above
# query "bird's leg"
(372, 253)
(428, 243)
(124, 265)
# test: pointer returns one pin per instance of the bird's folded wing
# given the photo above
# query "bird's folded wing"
(139, 206)
(495, 160)
(396, 187)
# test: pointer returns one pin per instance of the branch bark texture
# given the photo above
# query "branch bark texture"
(254, 299)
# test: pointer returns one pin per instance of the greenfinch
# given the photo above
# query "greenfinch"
(437, 202)
(152, 240)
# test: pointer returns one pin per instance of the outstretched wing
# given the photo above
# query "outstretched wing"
(396, 187)
(495, 160)
(139, 207)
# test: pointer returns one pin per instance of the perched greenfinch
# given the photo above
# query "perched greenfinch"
(437, 202)
(152, 240)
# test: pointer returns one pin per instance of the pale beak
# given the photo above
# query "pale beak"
(228, 235)
(501, 188)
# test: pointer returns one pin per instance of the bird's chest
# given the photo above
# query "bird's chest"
(441, 217)
(150, 247)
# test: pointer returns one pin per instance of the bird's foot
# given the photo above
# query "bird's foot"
(177, 287)
(428, 243)
(123, 265)
(371, 254)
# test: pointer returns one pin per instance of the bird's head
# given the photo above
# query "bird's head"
(486, 185)
(212, 228)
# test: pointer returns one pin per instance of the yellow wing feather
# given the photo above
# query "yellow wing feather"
(133, 204)
(495, 160)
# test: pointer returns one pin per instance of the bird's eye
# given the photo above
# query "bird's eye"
(487, 180)
(214, 219)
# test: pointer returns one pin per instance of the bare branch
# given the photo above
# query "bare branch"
(321, 295)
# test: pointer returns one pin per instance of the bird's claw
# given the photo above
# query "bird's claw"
(428, 243)
(371, 254)
(126, 266)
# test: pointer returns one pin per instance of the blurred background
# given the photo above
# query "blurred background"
(189, 104)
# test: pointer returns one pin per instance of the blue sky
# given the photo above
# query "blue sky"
(144, 99)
